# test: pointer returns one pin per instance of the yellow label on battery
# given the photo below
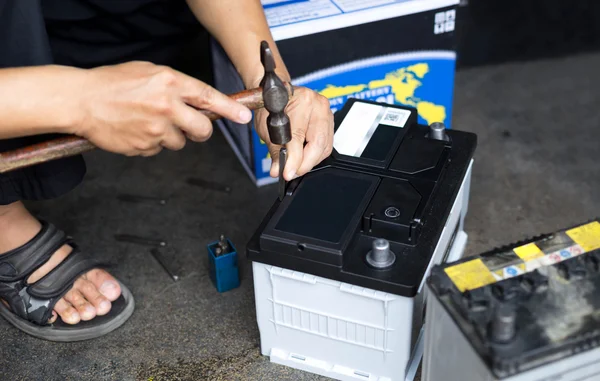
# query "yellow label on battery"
(587, 236)
(470, 275)
(528, 252)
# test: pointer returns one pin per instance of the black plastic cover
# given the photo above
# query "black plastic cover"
(528, 304)
(400, 186)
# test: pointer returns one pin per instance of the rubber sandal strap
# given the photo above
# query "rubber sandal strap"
(60, 279)
(41, 296)
(35, 302)
(30, 306)
(37, 311)
(22, 261)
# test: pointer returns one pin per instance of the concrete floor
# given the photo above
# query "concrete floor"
(536, 171)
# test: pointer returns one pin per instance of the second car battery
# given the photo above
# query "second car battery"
(339, 264)
(527, 311)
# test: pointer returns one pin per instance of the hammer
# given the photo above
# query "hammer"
(276, 99)
(273, 94)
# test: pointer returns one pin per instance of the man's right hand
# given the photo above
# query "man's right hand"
(139, 108)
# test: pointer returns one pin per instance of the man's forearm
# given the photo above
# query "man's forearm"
(38, 100)
(239, 26)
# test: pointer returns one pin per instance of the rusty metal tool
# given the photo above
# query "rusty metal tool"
(129, 238)
(282, 161)
(74, 145)
(276, 99)
(157, 256)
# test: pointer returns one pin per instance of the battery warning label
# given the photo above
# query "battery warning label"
(587, 236)
(470, 275)
(528, 252)
(492, 268)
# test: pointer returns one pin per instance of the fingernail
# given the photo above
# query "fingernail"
(245, 116)
(105, 305)
(291, 175)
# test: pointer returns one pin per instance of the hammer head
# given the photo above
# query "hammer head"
(275, 98)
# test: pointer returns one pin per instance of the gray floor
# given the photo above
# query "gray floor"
(536, 171)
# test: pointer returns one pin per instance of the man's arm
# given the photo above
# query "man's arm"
(135, 108)
(38, 100)
(240, 26)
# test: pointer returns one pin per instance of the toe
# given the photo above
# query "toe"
(67, 312)
(84, 308)
(105, 283)
(92, 295)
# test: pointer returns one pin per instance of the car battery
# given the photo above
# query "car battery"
(339, 264)
(528, 311)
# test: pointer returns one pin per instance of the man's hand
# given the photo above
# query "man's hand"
(139, 108)
(240, 26)
(311, 120)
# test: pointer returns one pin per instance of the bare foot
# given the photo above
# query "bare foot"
(91, 294)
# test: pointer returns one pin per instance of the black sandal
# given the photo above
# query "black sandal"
(31, 305)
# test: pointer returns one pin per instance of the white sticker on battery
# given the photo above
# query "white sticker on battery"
(360, 123)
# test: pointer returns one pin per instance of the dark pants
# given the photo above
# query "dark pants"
(86, 34)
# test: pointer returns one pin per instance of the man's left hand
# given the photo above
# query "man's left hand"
(311, 121)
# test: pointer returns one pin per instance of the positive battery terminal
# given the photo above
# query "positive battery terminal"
(380, 255)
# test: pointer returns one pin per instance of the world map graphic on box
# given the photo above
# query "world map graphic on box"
(424, 81)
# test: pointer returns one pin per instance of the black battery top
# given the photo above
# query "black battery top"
(528, 304)
(387, 178)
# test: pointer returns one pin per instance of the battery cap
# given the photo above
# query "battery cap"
(437, 131)
(503, 324)
(380, 255)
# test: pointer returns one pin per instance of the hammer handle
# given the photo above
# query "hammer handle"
(74, 145)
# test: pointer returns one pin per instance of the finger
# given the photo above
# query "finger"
(274, 153)
(205, 97)
(84, 308)
(174, 139)
(295, 155)
(260, 125)
(313, 154)
(320, 141)
(92, 295)
(151, 152)
(195, 126)
(67, 313)
(299, 119)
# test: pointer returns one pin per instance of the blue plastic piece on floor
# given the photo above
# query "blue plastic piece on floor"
(223, 268)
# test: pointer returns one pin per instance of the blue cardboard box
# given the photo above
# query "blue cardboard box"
(394, 51)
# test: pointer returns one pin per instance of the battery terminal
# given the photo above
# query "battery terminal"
(222, 246)
(380, 255)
